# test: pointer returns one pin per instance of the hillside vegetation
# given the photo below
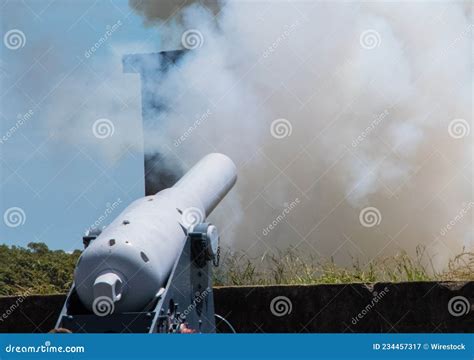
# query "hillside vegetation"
(38, 270)
(291, 267)
(35, 269)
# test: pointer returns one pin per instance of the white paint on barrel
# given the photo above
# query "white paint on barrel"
(148, 237)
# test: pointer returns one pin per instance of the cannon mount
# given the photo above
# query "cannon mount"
(185, 304)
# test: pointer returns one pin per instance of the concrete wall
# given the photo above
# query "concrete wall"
(403, 307)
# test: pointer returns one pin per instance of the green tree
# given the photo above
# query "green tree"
(35, 269)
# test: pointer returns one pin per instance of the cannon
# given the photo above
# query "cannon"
(150, 270)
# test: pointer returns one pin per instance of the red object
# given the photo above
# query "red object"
(183, 328)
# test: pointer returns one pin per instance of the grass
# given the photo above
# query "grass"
(39, 270)
(289, 267)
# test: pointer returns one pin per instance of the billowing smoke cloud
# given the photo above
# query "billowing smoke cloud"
(166, 10)
(350, 123)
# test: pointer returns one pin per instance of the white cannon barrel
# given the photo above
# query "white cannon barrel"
(131, 259)
(209, 180)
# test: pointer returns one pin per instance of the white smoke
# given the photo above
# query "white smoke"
(368, 90)
(344, 106)
(99, 109)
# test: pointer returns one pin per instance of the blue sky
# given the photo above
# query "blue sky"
(55, 171)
